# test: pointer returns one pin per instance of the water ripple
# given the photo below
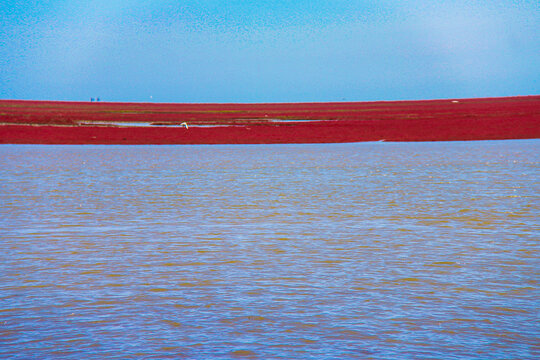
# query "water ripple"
(382, 250)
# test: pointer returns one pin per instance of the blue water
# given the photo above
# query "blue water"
(336, 251)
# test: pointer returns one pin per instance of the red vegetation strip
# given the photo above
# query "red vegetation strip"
(438, 120)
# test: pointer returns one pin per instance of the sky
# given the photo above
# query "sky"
(242, 51)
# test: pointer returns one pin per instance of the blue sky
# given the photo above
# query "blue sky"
(268, 50)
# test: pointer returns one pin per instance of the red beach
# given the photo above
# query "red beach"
(55, 122)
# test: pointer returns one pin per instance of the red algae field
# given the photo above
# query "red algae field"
(51, 122)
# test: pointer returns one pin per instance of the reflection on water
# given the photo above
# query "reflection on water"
(372, 250)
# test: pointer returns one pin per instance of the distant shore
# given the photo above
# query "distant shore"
(50, 122)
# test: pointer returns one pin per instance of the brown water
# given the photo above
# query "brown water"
(372, 250)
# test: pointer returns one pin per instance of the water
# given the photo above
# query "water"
(338, 251)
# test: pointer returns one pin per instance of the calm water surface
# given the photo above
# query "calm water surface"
(338, 251)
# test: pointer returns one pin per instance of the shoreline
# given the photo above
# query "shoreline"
(51, 122)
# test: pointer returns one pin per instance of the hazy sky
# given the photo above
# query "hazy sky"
(268, 50)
